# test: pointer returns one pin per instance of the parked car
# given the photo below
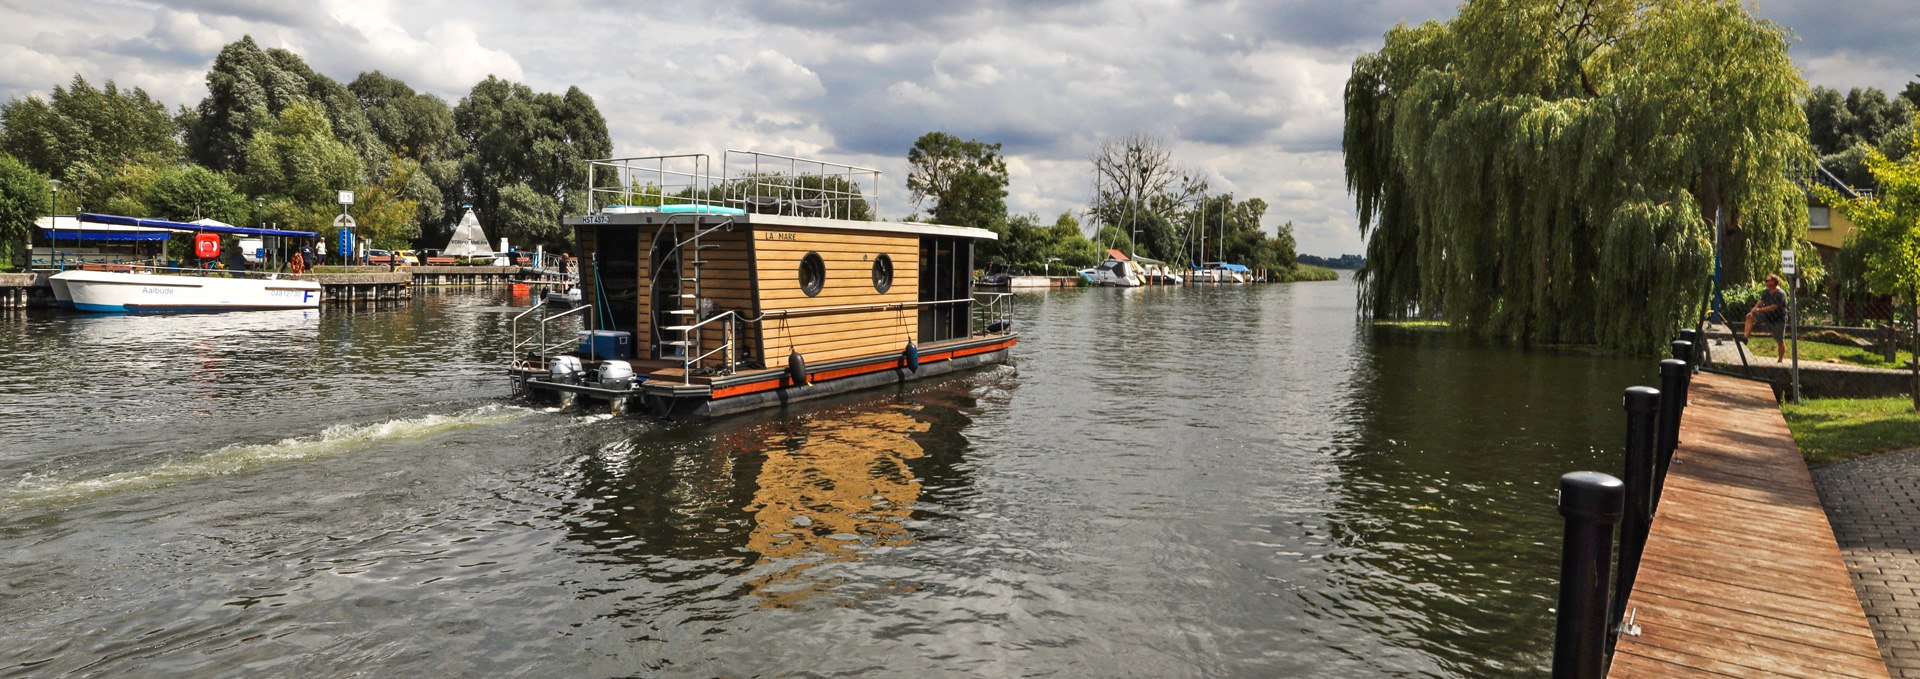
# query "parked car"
(378, 256)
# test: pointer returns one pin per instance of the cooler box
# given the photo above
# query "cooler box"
(606, 344)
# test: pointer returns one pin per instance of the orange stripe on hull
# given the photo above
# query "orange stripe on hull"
(780, 380)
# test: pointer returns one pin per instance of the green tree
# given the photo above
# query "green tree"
(416, 126)
(1888, 230)
(25, 195)
(1067, 243)
(190, 192)
(965, 179)
(385, 212)
(121, 189)
(524, 214)
(1536, 168)
(537, 142)
(247, 90)
(299, 166)
(1111, 237)
(82, 124)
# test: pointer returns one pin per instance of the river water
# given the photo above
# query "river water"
(1231, 481)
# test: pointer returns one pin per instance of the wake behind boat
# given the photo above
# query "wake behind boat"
(139, 292)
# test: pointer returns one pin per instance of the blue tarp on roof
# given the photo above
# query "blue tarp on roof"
(61, 235)
(185, 226)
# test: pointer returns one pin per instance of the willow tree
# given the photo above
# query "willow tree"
(1549, 170)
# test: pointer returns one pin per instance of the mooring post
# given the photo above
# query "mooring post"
(1673, 401)
(1643, 407)
(1591, 503)
(1683, 350)
(1687, 352)
(1699, 354)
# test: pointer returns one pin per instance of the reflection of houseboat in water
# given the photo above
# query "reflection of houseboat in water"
(764, 285)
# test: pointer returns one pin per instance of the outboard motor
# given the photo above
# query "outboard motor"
(616, 375)
(564, 370)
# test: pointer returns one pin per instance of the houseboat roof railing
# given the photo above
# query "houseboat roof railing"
(771, 182)
(752, 181)
(650, 181)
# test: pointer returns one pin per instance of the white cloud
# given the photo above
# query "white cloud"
(1249, 93)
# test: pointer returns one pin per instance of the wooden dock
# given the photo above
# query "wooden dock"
(1741, 574)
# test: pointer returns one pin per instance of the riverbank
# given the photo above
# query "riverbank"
(1832, 430)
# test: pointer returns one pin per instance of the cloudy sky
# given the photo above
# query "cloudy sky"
(1246, 92)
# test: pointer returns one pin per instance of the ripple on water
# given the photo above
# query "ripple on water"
(1208, 481)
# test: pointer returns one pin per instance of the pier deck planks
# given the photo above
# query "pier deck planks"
(1742, 575)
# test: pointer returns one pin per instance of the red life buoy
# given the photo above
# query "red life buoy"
(206, 245)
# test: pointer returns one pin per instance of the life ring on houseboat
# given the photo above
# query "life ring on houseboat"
(797, 368)
(206, 245)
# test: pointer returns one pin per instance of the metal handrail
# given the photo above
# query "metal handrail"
(691, 332)
(986, 312)
(861, 307)
(539, 340)
(748, 176)
(698, 181)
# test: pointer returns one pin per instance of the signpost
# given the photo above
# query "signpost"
(1790, 268)
(345, 224)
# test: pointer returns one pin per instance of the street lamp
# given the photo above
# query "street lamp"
(53, 223)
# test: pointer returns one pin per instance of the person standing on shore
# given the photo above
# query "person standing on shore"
(1771, 312)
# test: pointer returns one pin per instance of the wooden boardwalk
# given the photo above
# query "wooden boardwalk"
(1742, 575)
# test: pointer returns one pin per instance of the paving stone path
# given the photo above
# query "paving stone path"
(1874, 506)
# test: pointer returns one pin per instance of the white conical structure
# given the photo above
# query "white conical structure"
(468, 240)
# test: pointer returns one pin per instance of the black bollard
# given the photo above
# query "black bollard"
(1692, 336)
(1590, 501)
(1643, 408)
(1683, 350)
(1689, 352)
(1673, 403)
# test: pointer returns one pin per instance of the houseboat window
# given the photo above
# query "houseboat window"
(1819, 217)
(882, 273)
(813, 274)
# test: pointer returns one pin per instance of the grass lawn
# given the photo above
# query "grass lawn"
(1836, 429)
(1820, 352)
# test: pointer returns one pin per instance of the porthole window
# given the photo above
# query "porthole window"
(882, 273)
(813, 274)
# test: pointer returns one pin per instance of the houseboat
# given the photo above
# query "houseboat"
(764, 284)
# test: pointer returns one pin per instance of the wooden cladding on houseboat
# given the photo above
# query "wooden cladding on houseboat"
(849, 257)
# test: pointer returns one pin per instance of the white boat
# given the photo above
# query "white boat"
(1115, 273)
(1221, 272)
(1118, 271)
(123, 292)
(61, 296)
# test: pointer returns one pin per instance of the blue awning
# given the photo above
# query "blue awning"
(119, 236)
(1242, 268)
(185, 226)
